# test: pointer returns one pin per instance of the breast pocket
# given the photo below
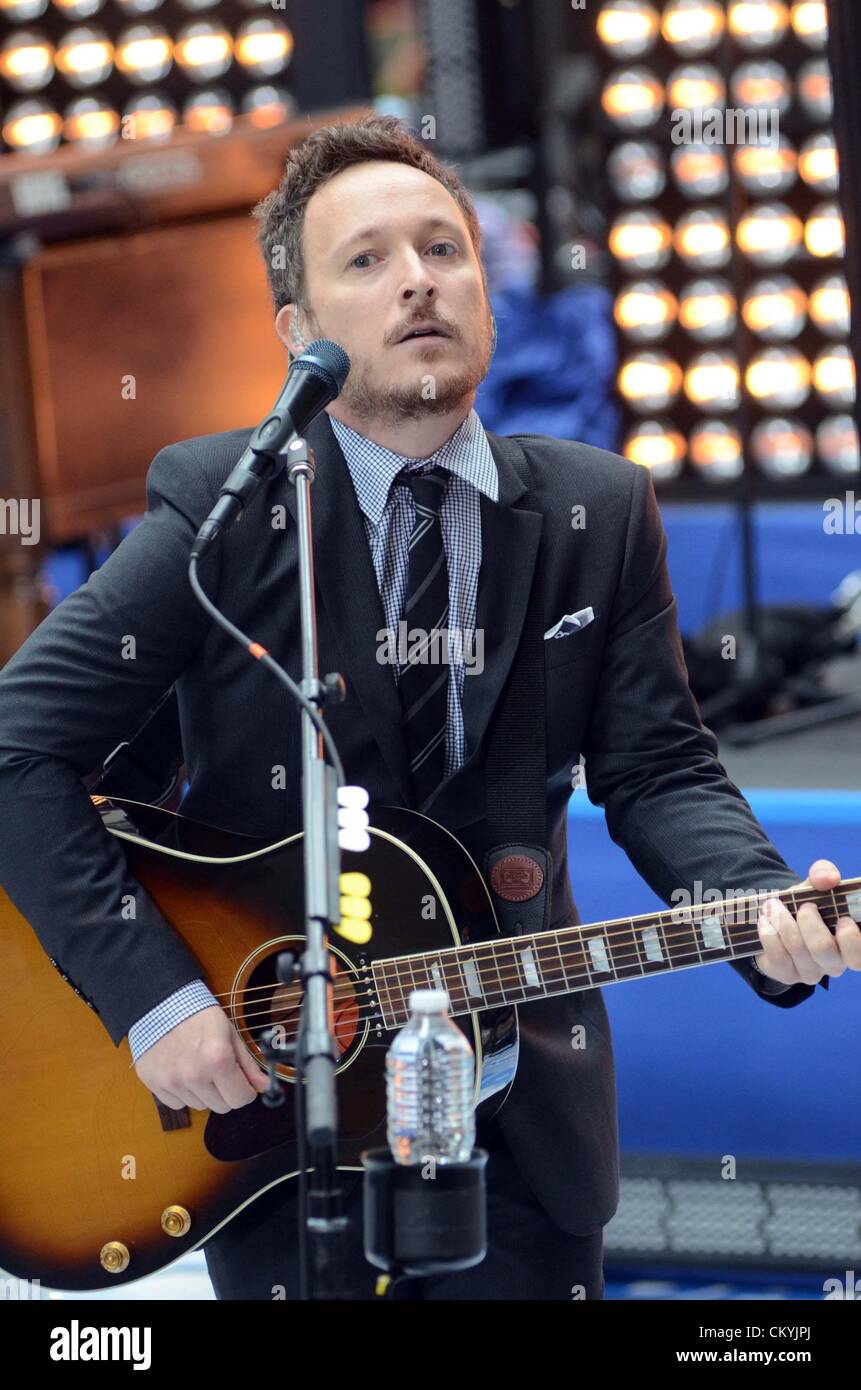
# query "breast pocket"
(561, 651)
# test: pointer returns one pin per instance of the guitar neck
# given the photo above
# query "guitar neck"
(513, 970)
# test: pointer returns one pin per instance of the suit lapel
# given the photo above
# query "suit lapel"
(347, 585)
(509, 549)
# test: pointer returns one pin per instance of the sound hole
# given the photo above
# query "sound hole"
(267, 1003)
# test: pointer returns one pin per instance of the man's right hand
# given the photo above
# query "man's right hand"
(202, 1063)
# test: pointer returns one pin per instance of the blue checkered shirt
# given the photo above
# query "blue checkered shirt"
(388, 513)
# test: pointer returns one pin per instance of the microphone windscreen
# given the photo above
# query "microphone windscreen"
(325, 358)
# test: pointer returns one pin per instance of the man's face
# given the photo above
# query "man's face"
(387, 247)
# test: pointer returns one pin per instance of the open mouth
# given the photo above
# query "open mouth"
(433, 335)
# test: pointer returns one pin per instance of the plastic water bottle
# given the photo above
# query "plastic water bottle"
(430, 1071)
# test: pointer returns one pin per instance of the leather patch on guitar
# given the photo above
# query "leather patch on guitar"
(516, 878)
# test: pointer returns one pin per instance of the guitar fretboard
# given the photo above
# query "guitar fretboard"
(513, 970)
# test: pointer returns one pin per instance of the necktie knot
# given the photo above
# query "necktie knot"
(428, 488)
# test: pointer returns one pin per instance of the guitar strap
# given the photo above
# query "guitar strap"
(516, 862)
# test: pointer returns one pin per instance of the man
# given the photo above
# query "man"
(367, 240)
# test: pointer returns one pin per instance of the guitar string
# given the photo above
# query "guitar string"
(626, 924)
(393, 979)
(488, 948)
(694, 960)
(502, 983)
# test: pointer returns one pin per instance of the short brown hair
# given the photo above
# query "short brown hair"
(324, 153)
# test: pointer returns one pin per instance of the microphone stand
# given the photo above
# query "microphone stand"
(325, 1226)
(314, 379)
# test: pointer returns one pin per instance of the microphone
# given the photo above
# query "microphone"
(313, 381)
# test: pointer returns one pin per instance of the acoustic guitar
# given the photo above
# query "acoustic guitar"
(101, 1184)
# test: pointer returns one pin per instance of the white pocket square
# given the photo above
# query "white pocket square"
(570, 622)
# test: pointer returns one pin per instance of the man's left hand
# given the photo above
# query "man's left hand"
(800, 950)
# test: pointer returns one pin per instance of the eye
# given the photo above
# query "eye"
(448, 244)
(363, 255)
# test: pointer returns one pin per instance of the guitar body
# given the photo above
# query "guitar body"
(99, 1184)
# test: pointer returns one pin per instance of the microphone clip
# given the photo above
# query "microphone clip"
(300, 460)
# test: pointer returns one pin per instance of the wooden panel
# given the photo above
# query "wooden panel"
(23, 603)
(180, 318)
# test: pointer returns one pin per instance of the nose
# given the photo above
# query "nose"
(417, 282)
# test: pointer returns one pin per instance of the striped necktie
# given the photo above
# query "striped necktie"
(423, 679)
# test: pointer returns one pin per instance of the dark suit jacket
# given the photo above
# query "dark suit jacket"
(617, 693)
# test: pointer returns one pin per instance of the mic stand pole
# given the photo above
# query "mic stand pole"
(324, 1220)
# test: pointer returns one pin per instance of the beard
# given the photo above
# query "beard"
(430, 392)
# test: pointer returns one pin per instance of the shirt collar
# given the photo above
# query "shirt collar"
(374, 468)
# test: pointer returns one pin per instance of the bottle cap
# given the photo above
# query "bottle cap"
(429, 1001)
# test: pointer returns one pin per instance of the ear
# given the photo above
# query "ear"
(287, 328)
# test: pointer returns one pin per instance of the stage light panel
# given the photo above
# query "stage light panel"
(780, 234)
(85, 56)
(136, 7)
(712, 381)
(814, 89)
(775, 308)
(264, 47)
(645, 311)
(770, 234)
(824, 233)
(633, 98)
(758, 23)
(649, 381)
(204, 50)
(27, 60)
(636, 171)
(834, 375)
(762, 85)
(829, 306)
(32, 126)
(702, 239)
(628, 28)
(767, 169)
(695, 87)
(714, 449)
(810, 22)
(23, 11)
(267, 106)
(700, 171)
(658, 446)
(150, 115)
(641, 240)
(78, 9)
(781, 447)
(210, 112)
(779, 378)
(707, 309)
(837, 444)
(144, 53)
(817, 162)
(91, 123)
(693, 27)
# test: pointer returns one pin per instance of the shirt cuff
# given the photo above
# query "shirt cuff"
(166, 1015)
